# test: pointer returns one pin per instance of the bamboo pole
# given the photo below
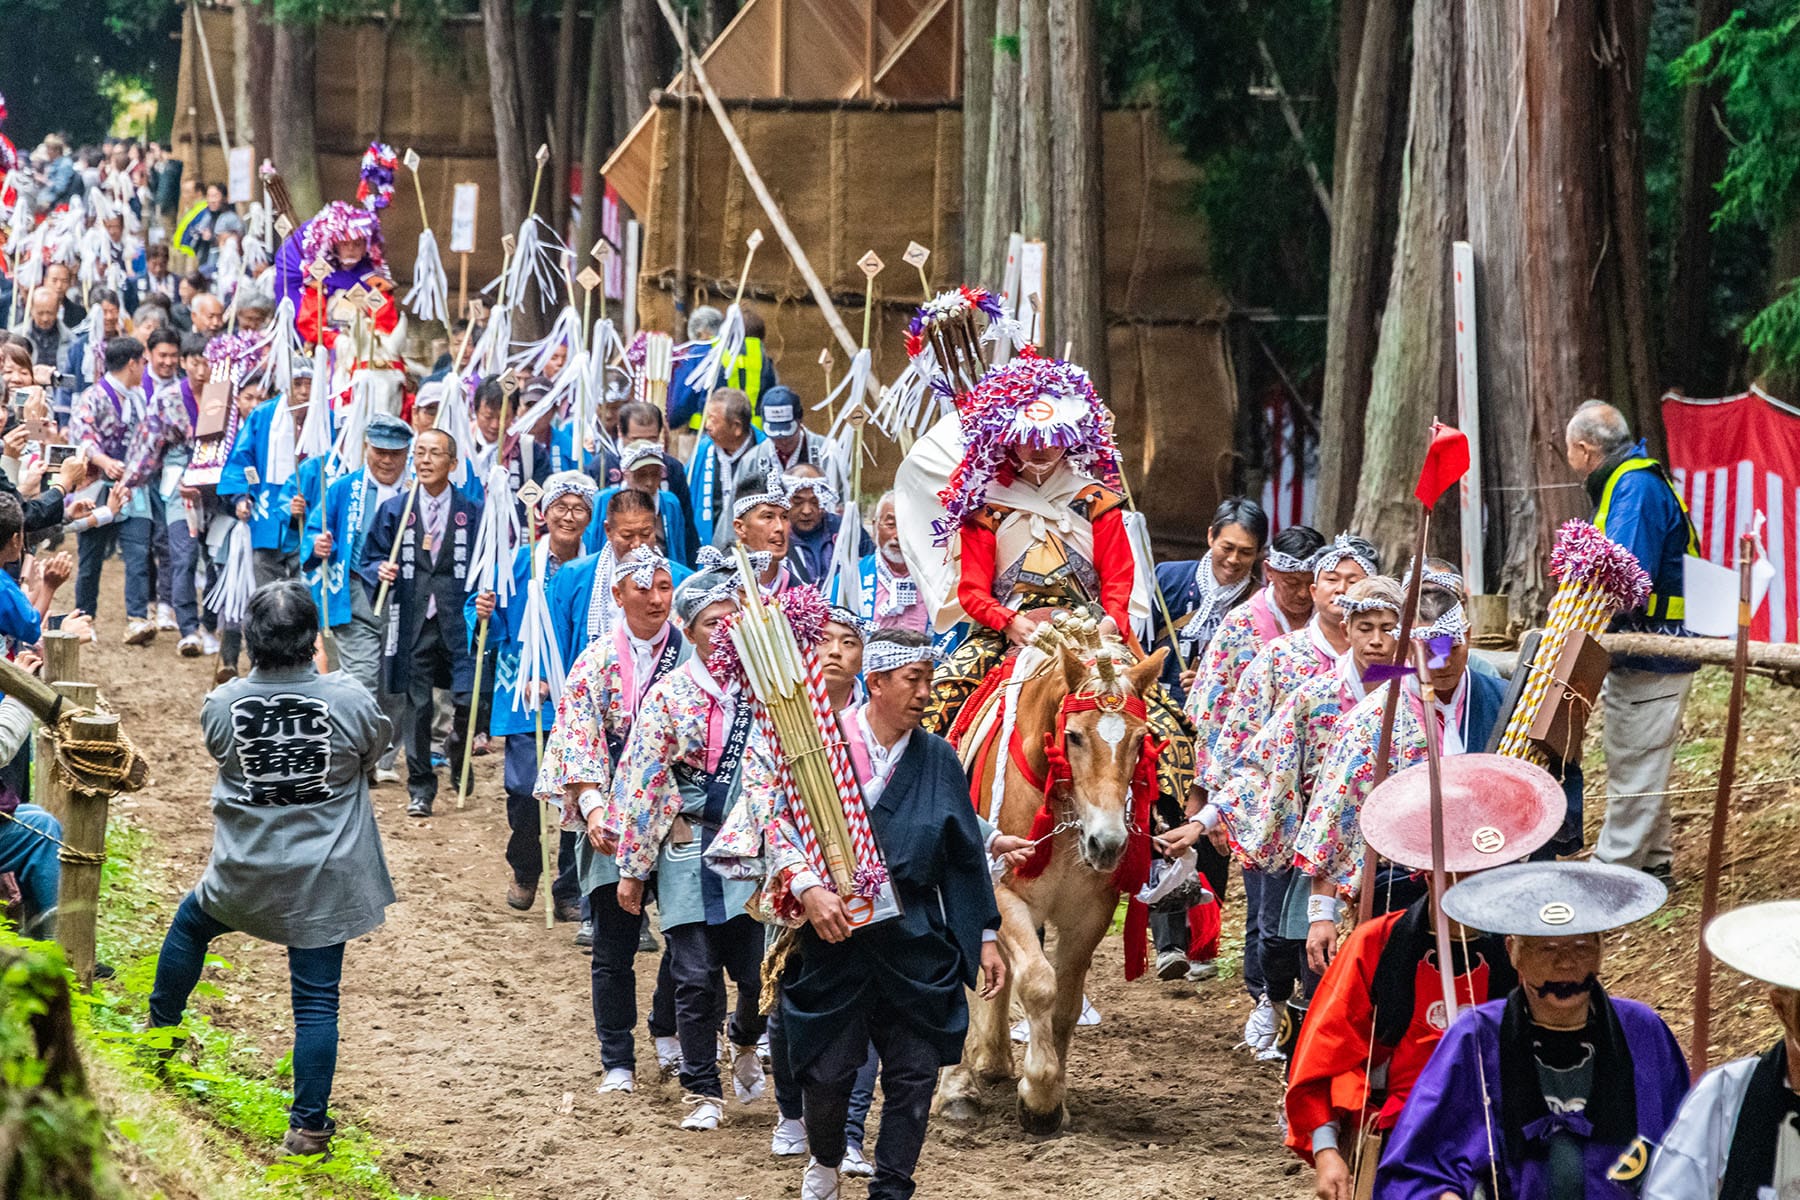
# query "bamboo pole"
(84, 839)
(1365, 900)
(1699, 1050)
(1440, 923)
(406, 509)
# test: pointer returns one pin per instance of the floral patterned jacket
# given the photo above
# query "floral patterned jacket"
(1273, 675)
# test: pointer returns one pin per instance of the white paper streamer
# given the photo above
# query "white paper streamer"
(564, 331)
(540, 660)
(721, 354)
(497, 538)
(347, 450)
(453, 419)
(315, 432)
(429, 297)
(230, 596)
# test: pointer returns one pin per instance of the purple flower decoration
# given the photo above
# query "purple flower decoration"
(1585, 557)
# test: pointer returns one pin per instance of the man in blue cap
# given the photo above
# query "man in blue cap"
(333, 547)
(796, 445)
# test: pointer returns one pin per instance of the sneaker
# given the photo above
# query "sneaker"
(139, 632)
(618, 1079)
(1200, 972)
(820, 1182)
(209, 642)
(704, 1113)
(1259, 1030)
(303, 1143)
(584, 935)
(1271, 1054)
(789, 1139)
(385, 775)
(854, 1164)
(747, 1078)
(190, 647)
(1171, 964)
(165, 618)
(420, 806)
(668, 1054)
(1089, 1014)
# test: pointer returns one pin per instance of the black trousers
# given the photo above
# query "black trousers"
(909, 1070)
(1169, 931)
(432, 658)
(614, 971)
(697, 952)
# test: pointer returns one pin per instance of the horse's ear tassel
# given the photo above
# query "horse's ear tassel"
(1109, 677)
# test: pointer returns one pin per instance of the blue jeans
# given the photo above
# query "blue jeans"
(31, 859)
(184, 554)
(132, 537)
(313, 974)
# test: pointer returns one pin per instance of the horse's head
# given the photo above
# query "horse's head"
(1103, 727)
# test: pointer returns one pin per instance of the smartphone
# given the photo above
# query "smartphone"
(64, 381)
(56, 456)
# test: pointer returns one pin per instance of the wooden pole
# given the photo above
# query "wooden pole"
(62, 656)
(1440, 923)
(80, 695)
(1365, 900)
(462, 786)
(412, 494)
(84, 839)
(789, 242)
(1715, 847)
(462, 285)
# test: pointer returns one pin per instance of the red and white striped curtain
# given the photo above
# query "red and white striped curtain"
(1291, 460)
(1732, 458)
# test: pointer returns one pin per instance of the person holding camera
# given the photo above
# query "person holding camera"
(102, 426)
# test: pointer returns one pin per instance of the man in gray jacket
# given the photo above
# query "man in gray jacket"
(296, 857)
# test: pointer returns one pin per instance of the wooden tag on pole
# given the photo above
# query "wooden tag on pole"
(411, 159)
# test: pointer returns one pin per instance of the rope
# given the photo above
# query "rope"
(93, 765)
(68, 854)
(773, 965)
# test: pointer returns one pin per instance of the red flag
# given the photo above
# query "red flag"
(1446, 461)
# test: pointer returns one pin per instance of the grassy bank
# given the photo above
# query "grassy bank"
(202, 1119)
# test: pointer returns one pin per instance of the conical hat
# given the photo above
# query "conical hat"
(1761, 940)
(1497, 810)
(1554, 899)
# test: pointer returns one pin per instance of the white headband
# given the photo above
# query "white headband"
(1350, 607)
(1286, 562)
(639, 453)
(774, 492)
(882, 654)
(640, 566)
(821, 491)
(1343, 547)
(1453, 624)
(711, 558)
(567, 483)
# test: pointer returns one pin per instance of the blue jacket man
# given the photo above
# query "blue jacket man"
(1636, 505)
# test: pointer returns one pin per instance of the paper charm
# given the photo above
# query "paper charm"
(915, 255)
(825, 359)
(543, 154)
(871, 264)
(411, 159)
(530, 494)
(589, 278)
(601, 249)
(318, 271)
(283, 227)
(755, 239)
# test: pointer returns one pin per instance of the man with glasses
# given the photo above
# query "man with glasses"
(425, 636)
(568, 507)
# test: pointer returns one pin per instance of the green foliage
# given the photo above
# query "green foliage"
(64, 57)
(1754, 58)
(52, 1136)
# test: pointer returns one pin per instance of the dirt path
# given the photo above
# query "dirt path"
(468, 1041)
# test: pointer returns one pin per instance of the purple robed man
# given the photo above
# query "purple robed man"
(1440, 1146)
(1559, 1091)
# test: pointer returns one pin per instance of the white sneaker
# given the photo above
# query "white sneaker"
(1200, 972)
(789, 1139)
(189, 646)
(209, 643)
(1089, 1014)
(1171, 964)
(703, 1114)
(1021, 1031)
(1259, 1030)
(165, 617)
(747, 1078)
(854, 1164)
(668, 1054)
(618, 1079)
(820, 1182)
(1271, 1054)
(386, 775)
(139, 632)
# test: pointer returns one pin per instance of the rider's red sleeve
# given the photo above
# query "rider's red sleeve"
(975, 588)
(1117, 570)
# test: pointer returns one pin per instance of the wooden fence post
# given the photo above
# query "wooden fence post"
(84, 838)
(54, 800)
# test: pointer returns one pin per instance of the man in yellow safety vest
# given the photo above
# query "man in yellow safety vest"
(1637, 506)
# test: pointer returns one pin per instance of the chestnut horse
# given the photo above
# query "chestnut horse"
(1091, 684)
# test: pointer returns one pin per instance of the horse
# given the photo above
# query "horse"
(1079, 723)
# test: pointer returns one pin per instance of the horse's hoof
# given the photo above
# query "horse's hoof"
(1041, 1124)
(961, 1110)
